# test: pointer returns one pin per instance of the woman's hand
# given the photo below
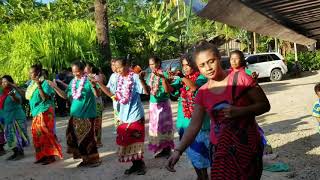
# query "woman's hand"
(53, 83)
(93, 80)
(12, 93)
(180, 74)
(159, 74)
(172, 161)
(232, 112)
(255, 75)
(142, 74)
(38, 81)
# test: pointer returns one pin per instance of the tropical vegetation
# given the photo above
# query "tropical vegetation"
(59, 32)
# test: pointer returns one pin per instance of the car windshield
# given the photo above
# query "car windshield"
(174, 64)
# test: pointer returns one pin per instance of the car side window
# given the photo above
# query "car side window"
(274, 57)
(252, 59)
(264, 58)
(175, 66)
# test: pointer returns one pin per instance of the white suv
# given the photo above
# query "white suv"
(267, 65)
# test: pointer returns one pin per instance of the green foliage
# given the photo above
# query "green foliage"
(58, 32)
(200, 29)
(308, 60)
(54, 44)
(156, 24)
(13, 12)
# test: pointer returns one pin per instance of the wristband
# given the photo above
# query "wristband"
(113, 98)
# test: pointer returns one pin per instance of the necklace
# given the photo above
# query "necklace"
(76, 92)
(188, 96)
(124, 92)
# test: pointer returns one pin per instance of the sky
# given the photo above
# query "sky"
(45, 1)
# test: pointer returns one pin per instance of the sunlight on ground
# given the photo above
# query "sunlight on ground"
(314, 151)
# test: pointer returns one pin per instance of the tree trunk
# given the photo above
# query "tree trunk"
(101, 18)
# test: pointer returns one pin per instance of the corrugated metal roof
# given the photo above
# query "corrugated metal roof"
(303, 16)
(292, 20)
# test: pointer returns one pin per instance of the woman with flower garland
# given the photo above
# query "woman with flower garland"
(93, 73)
(188, 84)
(232, 101)
(131, 131)
(81, 128)
(40, 96)
(160, 114)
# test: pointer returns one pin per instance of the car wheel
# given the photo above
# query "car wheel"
(276, 75)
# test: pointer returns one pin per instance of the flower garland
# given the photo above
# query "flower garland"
(76, 92)
(154, 86)
(187, 96)
(123, 94)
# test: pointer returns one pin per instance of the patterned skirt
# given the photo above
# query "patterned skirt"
(81, 139)
(130, 139)
(16, 134)
(198, 152)
(160, 127)
(44, 140)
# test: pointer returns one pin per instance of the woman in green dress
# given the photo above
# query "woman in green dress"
(40, 95)
(15, 126)
(81, 138)
(187, 85)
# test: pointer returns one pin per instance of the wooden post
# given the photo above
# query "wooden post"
(254, 43)
(276, 45)
(178, 9)
(295, 52)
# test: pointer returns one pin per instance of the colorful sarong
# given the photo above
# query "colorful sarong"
(198, 152)
(160, 127)
(130, 138)
(98, 123)
(81, 139)
(16, 134)
(44, 140)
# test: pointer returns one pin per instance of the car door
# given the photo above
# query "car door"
(263, 65)
(252, 63)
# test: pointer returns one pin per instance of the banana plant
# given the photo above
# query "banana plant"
(157, 25)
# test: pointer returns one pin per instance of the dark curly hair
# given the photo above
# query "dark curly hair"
(205, 46)
(8, 78)
(79, 64)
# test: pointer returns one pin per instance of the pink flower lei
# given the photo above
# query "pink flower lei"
(76, 92)
(123, 94)
(154, 86)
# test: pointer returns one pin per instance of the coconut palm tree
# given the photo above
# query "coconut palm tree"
(101, 18)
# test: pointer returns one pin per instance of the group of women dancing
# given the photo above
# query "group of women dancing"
(215, 118)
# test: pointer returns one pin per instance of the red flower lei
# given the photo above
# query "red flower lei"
(187, 96)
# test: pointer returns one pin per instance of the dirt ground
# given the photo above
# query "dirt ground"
(289, 127)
